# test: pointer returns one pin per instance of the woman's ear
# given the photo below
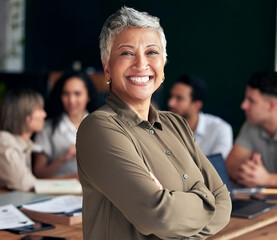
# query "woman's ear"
(106, 70)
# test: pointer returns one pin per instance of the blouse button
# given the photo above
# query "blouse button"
(168, 152)
(185, 176)
(151, 131)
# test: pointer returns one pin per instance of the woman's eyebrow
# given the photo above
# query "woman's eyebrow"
(130, 46)
(153, 45)
(126, 45)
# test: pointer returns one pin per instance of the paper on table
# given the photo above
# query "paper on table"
(62, 204)
(11, 217)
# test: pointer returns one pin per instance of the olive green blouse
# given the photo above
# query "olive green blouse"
(146, 179)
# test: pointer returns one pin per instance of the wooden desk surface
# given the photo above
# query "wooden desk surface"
(73, 232)
(268, 232)
(261, 227)
(241, 228)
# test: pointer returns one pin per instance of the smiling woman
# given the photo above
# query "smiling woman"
(142, 174)
(71, 99)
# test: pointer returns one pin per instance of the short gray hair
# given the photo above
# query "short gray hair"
(122, 19)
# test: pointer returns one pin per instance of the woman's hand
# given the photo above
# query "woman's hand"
(42, 168)
(69, 155)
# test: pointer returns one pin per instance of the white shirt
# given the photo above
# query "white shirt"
(57, 144)
(213, 135)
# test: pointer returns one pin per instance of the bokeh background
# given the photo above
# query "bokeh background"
(223, 41)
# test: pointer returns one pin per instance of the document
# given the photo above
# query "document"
(61, 204)
(11, 217)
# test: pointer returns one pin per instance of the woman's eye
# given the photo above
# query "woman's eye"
(126, 54)
(152, 52)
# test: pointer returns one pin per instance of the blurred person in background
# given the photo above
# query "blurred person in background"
(212, 134)
(252, 161)
(22, 115)
(71, 99)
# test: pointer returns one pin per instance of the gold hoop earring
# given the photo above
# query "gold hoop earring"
(108, 81)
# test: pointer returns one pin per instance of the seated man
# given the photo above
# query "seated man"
(253, 158)
(211, 133)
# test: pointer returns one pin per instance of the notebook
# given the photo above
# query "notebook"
(18, 198)
(246, 208)
(58, 186)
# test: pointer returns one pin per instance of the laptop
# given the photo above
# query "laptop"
(18, 198)
(245, 208)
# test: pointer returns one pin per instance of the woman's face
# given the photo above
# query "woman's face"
(75, 97)
(36, 119)
(136, 65)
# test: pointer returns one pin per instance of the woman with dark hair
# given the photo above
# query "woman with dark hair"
(22, 114)
(71, 99)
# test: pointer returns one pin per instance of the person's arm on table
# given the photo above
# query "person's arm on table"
(42, 167)
(247, 168)
(255, 174)
(235, 159)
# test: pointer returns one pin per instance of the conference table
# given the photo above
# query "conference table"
(72, 232)
(258, 228)
(261, 227)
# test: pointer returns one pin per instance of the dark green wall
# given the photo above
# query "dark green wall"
(223, 41)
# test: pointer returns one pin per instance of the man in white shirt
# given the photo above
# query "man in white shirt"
(211, 133)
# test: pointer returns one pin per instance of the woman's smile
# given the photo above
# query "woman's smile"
(141, 80)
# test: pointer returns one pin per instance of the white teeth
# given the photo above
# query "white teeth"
(139, 79)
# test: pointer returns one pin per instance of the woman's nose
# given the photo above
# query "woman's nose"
(71, 98)
(141, 63)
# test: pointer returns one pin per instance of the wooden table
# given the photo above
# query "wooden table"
(261, 227)
(268, 232)
(73, 232)
(254, 229)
